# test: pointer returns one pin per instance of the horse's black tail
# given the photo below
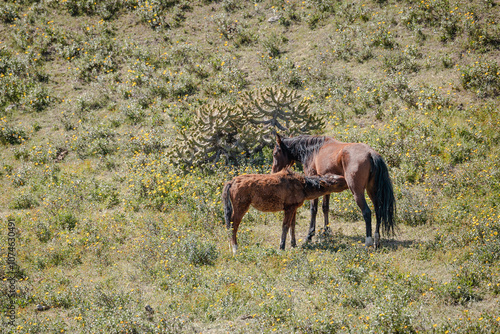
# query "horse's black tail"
(386, 208)
(228, 206)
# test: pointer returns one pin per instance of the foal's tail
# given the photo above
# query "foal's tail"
(228, 207)
(386, 207)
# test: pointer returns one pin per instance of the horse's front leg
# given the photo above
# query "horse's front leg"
(326, 208)
(312, 225)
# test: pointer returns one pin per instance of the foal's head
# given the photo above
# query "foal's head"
(281, 156)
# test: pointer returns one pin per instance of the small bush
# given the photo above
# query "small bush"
(384, 38)
(24, 201)
(38, 99)
(8, 13)
(12, 135)
(162, 14)
(67, 220)
(483, 78)
(283, 72)
(272, 45)
(459, 291)
(95, 141)
(413, 208)
(483, 37)
(200, 252)
(134, 113)
(400, 63)
(43, 232)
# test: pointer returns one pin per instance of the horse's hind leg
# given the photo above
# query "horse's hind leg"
(359, 197)
(357, 177)
(233, 242)
(238, 214)
(312, 225)
(376, 235)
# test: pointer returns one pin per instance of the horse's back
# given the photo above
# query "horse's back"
(268, 192)
(351, 160)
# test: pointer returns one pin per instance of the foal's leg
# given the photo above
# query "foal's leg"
(233, 243)
(312, 225)
(236, 218)
(326, 208)
(287, 222)
(292, 230)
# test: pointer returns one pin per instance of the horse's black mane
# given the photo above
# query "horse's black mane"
(301, 148)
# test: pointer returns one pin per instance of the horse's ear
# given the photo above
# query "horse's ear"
(278, 138)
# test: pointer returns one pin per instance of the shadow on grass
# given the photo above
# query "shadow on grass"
(335, 241)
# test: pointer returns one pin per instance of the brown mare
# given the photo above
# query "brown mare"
(362, 167)
(282, 191)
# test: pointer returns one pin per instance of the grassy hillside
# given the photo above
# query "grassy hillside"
(103, 219)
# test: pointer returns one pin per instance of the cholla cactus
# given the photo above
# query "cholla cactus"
(221, 131)
(279, 109)
(215, 134)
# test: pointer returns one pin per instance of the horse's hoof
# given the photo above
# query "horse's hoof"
(368, 242)
(234, 249)
(376, 236)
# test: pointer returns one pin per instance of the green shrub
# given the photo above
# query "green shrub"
(38, 98)
(91, 66)
(24, 201)
(105, 193)
(446, 61)
(462, 288)
(384, 38)
(223, 132)
(23, 175)
(483, 37)
(95, 141)
(134, 113)
(8, 13)
(413, 208)
(11, 135)
(153, 142)
(106, 9)
(392, 316)
(482, 77)
(450, 28)
(43, 232)
(272, 44)
(351, 43)
(162, 14)
(199, 252)
(67, 220)
(406, 61)
(85, 7)
(283, 71)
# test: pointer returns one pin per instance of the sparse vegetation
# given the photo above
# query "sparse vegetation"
(120, 120)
